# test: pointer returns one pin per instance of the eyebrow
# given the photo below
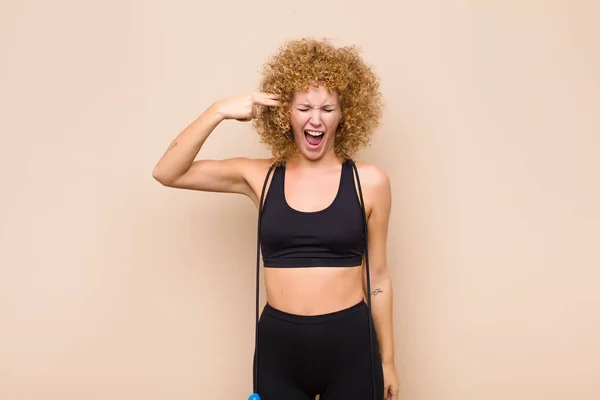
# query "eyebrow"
(308, 105)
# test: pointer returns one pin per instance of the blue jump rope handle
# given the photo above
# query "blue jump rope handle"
(254, 396)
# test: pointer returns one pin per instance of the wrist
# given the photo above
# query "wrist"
(215, 112)
(388, 361)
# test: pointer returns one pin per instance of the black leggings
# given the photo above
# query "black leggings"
(302, 356)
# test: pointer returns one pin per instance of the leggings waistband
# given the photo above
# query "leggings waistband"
(313, 319)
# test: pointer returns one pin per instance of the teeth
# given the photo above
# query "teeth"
(314, 133)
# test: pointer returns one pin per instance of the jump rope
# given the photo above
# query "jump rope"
(255, 395)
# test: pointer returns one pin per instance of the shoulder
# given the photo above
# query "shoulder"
(255, 173)
(373, 177)
(376, 189)
(255, 169)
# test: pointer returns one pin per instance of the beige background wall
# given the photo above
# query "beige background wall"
(113, 287)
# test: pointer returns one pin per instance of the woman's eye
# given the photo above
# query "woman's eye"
(308, 109)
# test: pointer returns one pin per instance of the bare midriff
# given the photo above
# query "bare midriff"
(314, 290)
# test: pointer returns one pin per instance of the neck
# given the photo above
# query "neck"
(328, 160)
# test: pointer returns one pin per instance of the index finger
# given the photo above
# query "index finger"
(265, 95)
(268, 102)
(266, 99)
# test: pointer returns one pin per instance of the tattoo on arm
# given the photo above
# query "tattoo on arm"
(376, 292)
(171, 146)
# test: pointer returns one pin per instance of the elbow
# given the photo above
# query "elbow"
(380, 274)
(161, 177)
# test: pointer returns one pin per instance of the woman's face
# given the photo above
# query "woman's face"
(316, 115)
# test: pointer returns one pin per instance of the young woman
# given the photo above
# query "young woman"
(323, 222)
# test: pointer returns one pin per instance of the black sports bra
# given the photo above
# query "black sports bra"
(330, 237)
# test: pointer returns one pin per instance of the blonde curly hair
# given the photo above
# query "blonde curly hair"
(304, 63)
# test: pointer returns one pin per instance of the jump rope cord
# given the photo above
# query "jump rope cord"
(364, 214)
(260, 206)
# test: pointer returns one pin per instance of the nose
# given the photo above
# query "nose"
(316, 117)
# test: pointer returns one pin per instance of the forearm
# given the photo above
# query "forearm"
(382, 312)
(184, 149)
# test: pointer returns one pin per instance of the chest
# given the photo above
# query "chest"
(311, 193)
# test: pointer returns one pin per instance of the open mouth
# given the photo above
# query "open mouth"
(314, 138)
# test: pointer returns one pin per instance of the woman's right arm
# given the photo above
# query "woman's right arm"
(177, 167)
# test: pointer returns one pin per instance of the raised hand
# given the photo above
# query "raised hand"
(242, 107)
